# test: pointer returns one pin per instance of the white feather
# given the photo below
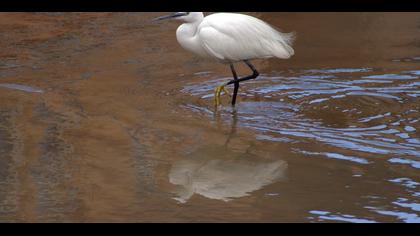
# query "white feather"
(231, 37)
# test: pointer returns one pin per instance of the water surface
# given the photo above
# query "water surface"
(105, 118)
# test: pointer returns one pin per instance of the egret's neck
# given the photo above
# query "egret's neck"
(188, 29)
(192, 21)
(186, 36)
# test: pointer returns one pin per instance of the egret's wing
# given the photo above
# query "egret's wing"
(218, 44)
(239, 37)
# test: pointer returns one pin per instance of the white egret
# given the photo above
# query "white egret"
(230, 38)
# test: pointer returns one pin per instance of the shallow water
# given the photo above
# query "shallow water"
(104, 118)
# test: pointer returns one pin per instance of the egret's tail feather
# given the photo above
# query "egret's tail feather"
(287, 40)
(284, 43)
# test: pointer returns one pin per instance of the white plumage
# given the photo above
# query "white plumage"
(232, 37)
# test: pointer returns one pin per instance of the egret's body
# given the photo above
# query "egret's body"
(230, 38)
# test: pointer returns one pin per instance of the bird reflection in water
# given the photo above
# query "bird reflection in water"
(218, 172)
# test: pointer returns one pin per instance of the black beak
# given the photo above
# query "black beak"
(178, 14)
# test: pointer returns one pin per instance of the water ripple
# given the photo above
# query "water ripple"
(355, 111)
(325, 215)
(21, 87)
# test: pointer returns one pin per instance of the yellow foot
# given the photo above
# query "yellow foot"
(217, 93)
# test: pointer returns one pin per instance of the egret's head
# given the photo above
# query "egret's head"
(183, 16)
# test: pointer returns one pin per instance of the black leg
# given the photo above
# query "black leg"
(254, 75)
(236, 88)
(236, 81)
(254, 71)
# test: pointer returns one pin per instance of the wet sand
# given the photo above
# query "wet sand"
(105, 118)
